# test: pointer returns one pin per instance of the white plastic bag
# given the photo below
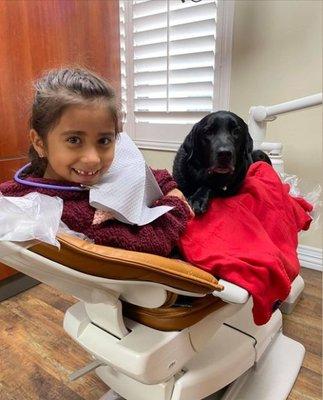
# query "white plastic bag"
(33, 216)
(313, 197)
(63, 228)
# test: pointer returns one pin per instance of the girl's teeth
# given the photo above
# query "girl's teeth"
(85, 173)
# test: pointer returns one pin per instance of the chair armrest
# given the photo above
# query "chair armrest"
(232, 293)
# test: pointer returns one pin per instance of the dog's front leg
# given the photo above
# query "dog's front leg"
(200, 199)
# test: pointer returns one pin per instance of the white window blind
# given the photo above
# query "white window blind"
(169, 37)
(170, 66)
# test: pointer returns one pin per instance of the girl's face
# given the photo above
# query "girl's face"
(80, 148)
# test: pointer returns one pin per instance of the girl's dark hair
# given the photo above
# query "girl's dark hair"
(54, 92)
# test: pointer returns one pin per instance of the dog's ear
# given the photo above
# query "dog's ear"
(249, 145)
(190, 141)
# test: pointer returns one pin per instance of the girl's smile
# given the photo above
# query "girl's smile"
(85, 173)
(86, 176)
(80, 148)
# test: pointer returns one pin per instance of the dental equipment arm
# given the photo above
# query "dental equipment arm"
(259, 115)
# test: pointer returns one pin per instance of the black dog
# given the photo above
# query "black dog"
(214, 159)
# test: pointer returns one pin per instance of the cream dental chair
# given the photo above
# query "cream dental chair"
(146, 343)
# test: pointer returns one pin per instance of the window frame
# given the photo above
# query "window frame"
(180, 123)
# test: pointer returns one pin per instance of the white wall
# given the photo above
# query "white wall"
(277, 56)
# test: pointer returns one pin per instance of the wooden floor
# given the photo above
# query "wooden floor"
(36, 356)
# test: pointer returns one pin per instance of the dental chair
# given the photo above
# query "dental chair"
(159, 328)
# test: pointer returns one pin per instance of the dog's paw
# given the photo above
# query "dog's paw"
(199, 205)
(200, 199)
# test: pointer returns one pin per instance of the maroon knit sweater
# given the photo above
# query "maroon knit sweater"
(158, 237)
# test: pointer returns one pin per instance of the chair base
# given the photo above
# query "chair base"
(211, 369)
(111, 395)
(233, 365)
(273, 376)
(239, 361)
(263, 381)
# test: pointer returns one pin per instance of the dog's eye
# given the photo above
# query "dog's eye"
(236, 132)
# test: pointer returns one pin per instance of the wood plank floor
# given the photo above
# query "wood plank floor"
(36, 355)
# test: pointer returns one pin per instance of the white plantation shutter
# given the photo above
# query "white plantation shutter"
(168, 39)
(170, 67)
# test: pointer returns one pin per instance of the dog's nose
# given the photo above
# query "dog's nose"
(224, 156)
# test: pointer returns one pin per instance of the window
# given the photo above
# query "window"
(175, 66)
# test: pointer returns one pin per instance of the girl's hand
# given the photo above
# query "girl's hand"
(101, 216)
(177, 193)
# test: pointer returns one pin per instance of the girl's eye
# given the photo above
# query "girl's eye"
(74, 140)
(105, 141)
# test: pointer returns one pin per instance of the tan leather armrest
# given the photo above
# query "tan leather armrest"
(113, 263)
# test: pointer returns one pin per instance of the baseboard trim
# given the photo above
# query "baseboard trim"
(310, 257)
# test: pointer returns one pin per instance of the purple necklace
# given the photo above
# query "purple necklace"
(44, 185)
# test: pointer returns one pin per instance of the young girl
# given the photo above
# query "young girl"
(74, 126)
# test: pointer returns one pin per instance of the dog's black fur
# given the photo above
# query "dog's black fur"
(214, 159)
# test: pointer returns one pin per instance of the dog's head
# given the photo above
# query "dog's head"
(220, 143)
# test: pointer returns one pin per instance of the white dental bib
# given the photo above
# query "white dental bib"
(129, 188)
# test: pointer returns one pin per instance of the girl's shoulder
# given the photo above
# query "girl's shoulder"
(11, 188)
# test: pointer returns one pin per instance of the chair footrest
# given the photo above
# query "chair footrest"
(274, 375)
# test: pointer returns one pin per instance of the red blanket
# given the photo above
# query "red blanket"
(250, 239)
